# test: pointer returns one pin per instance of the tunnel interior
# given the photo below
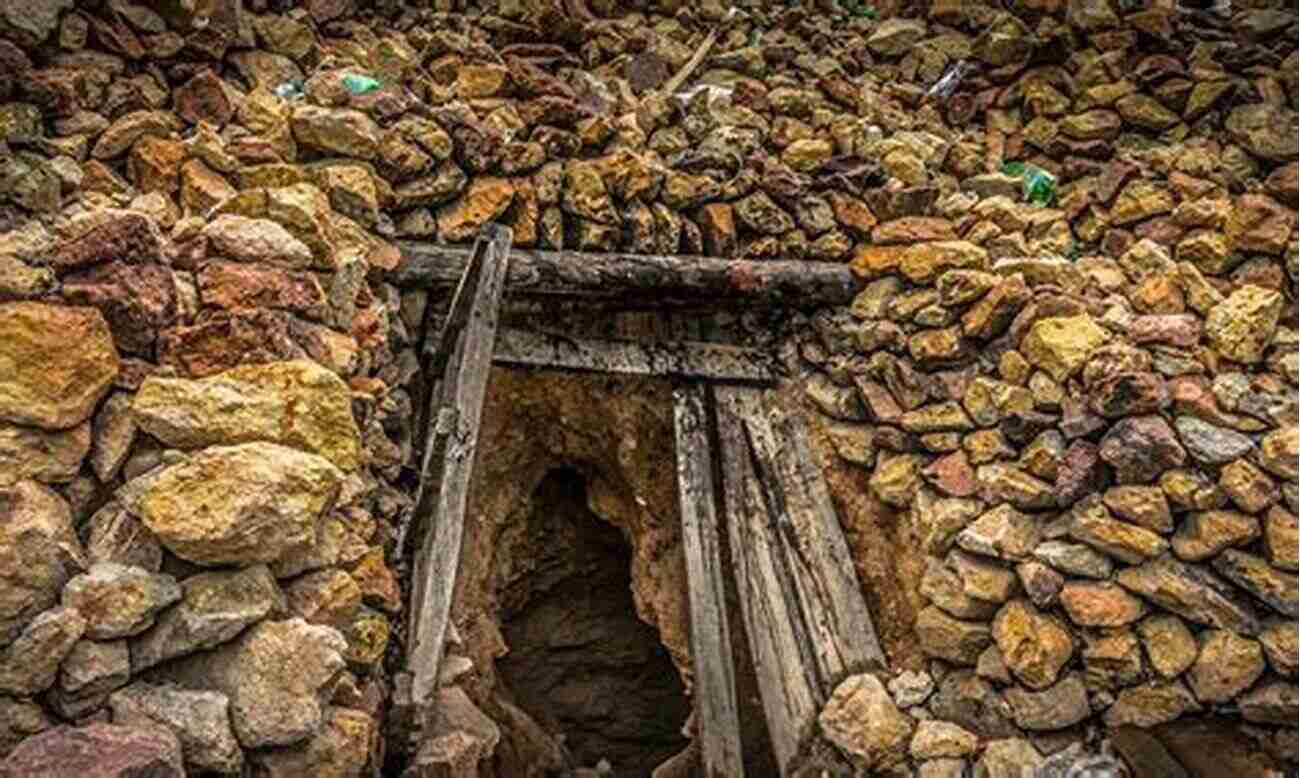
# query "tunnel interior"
(579, 660)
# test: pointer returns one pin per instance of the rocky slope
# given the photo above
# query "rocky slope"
(1062, 432)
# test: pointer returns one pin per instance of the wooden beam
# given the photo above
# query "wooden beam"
(641, 280)
(711, 361)
(807, 622)
(464, 351)
(714, 690)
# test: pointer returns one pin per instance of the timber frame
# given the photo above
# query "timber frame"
(743, 469)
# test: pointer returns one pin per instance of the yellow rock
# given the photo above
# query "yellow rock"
(297, 404)
(56, 362)
(925, 261)
(1059, 345)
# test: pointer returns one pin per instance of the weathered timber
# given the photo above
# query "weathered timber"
(715, 682)
(807, 622)
(712, 361)
(463, 350)
(641, 280)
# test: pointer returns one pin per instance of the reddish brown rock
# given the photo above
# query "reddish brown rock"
(121, 236)
(137, 300)
(97, 751)
(1141, 448)
(203, 99)
(154, 164)
(1100, 604)
(235, 285)
(912, 230)
(227, 339)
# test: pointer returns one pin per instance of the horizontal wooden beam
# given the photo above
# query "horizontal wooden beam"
(641, 280)
(690, 359)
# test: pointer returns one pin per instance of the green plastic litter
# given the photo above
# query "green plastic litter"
(1038, 185)
(359, 85)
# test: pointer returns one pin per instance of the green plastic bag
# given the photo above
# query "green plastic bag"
(359, 85)
(1038, 185)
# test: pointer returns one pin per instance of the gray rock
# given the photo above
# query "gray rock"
(199, 719)
(36, 528)
(94, 668)
(214, 608)
(1191, 592)
(1061, 705)
(1209, 444)
(911, 688)
(119, 601)
(114, 535)
(29, 665)
(1074, 559)
(1278, 589)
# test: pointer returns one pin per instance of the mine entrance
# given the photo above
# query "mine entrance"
(580, 662)
(745, 480)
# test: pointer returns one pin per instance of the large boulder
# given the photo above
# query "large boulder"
(235, 505)
(297, 404)
(279, 675)
(97, 751)
(56, 362)
(39, 552)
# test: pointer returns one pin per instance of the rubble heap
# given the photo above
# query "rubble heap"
(1068, 387)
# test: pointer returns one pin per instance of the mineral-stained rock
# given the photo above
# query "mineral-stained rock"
(1280, 536)
(19, 720)
(1227, 665)
(1278, 589)
(278, 676)
(1060, 345)
(297, 404)
(1281, 643)
(1112, 659)
(1101, 604)
(1241, 327)
(48, 456)
(1061, 705)
(1203, 535)
(1034, 645)
(237, 504)
(56, 363)
(863, 722)
(1142, 505)
(114, 535)
(32, 21)
(1247, 486)
(214, 608)
(199, 719)
(93, 668)
(119, 601)
(1191, 592)
(114, 432)
(339, 130)
(29, 664)
(1011, 484)
(97, 751)
(944, 588)
(952, 640)
(940, 739)
(340, 750)
(256, 240)
(1074, 559)
(1002, 532)
(971, 702)
(1091, 523)
(1141, 448)
(1265, 130)
(131, 127)
(136, 300)
(1170, 646)
(1279, 452)
(39, 552)
(1008, 759)
(1151, 703)
(894, 37)
(484, 201)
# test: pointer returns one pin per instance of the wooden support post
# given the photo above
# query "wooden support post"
(462, 357)
(807, 622)
(711, 361)
(643, 281)
(715, 683)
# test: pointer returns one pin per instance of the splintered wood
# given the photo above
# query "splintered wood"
(803, 610)
(715, 682)
(461, 358)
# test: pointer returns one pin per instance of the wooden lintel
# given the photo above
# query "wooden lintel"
(461, 358)
(640, 280)
(689, 359)
(714, 690)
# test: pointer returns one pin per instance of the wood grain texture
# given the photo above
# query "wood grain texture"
(710, 361)
(640, 280)
(804, 614)
(714, 690)
(463, 349)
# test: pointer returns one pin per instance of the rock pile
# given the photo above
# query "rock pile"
(1084, 413)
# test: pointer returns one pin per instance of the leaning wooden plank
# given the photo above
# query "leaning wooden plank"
(839, 630)
(715, 682)
(713, 361)
(787, 684)
(464, 384)
(653, 281)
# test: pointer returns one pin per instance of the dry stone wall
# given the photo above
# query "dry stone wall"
(1073, 419)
